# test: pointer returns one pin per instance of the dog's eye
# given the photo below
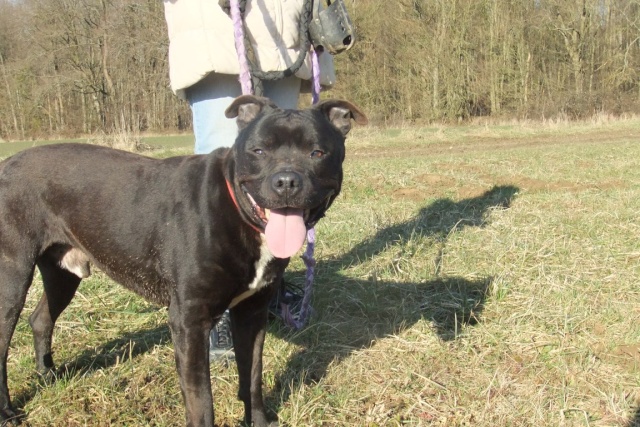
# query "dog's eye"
(317, 154)
(258, 151)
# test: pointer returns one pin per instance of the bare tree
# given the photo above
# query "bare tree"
(83, 66)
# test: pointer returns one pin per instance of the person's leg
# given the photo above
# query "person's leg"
(208, 99)
(284, 93)
(211, 96)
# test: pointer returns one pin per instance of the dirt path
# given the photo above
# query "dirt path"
(438, 185)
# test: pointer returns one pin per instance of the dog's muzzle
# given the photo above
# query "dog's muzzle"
(285, 228)
(331, 29)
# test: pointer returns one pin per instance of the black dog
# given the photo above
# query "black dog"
(198, 233)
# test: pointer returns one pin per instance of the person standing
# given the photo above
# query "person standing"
(204, 69)
(203, 62)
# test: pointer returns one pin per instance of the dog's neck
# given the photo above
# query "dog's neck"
(235, 202)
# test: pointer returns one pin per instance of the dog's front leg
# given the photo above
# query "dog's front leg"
(190, 333)
(248, 323)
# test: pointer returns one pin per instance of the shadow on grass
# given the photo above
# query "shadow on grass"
(116, 351)
(357, 312)
(111, 353)
(384, 308)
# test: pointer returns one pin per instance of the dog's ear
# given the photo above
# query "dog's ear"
(340, 114)
(246, 108)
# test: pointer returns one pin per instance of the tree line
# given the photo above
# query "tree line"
(77, 67)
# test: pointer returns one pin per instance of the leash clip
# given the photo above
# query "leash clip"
(331, 29)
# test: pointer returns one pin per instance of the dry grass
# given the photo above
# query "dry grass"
(121, 139)
(485, 275)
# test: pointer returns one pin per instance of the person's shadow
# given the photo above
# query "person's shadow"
(386, 307)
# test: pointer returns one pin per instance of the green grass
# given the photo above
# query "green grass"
(481, 275)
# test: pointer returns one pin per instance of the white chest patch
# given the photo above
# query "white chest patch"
(258, 281)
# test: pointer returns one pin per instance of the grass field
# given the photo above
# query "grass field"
(479, 275)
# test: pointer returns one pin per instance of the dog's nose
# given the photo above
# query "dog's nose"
(286, 184)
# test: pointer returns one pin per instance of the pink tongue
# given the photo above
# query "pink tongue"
(285, 232)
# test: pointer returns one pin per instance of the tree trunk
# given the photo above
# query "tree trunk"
(8, 88)
(575, 38)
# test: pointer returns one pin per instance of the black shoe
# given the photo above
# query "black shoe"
(221, 341)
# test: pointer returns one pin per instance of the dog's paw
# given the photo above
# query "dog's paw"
(260, 420)
(8, 417)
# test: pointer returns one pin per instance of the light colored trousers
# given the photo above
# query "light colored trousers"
(212, 95)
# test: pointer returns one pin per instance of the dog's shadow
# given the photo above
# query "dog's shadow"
(635, 421)
(110, 353)
(449, 303)
(386, 307)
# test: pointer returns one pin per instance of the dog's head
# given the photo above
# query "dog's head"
(288, 165)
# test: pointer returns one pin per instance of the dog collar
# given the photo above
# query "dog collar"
(235, 202)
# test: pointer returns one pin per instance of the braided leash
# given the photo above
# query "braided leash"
(245, 82)
(307, 257)
(238, 35)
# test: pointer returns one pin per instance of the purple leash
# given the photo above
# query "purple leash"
(315, 71)
(245, 82)
(305, 307)
(238, 34)
(307, 257)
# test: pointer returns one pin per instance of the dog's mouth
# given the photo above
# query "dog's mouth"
(285, 228)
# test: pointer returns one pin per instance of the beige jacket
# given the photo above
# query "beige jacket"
(201, 40)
